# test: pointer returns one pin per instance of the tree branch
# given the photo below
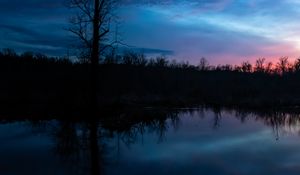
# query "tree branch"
(81, 35)
(82, 5)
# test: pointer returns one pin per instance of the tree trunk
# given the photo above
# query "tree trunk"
(95, 56)
(94, 149)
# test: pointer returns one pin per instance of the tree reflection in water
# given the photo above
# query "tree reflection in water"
(83, 144)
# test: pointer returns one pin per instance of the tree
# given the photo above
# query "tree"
(161, 61)
(203, 64)
(259, 65)
(92, 25)
(269, 68)
(246, 67)
(9, 53)
(283, 65)
(137, 59)
(297, 65)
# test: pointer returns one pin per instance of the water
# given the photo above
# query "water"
(201, 141)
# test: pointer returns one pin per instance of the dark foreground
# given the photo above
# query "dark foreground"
(154, 141)
(35, 82)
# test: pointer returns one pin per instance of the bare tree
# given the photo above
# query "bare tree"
(246, 67)
(283, 65)
(203, 64)
(269, 68)
(259, 65)
(297, 65)
(91, 25)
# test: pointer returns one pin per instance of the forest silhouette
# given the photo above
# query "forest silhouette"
(38, 82)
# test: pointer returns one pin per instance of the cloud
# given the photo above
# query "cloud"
(23, 38)
(221, 37)
(224, 31)
(30, 4)
(34, 25)
(174, 2)
(148, 51)
(16, 29)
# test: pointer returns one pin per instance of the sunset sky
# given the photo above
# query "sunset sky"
(223, 31)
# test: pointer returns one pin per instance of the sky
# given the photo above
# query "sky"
(222, 31)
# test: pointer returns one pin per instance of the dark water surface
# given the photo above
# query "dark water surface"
(201, 141)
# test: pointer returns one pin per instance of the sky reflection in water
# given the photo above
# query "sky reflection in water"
(198, 142)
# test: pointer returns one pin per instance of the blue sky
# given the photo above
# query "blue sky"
(223, 31)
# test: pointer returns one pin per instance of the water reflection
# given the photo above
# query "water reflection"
(182, 141)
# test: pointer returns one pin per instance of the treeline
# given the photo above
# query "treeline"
(37, 82)
(282, 66)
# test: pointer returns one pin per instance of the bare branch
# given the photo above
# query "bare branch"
(83, 6)
(83, 23)
(105, 31)
(81, 36)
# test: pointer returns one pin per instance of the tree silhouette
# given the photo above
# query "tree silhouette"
(246, 67)
(203, 64)
(259, 65)
(297, 65)
(283, 65)
(92, 25)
